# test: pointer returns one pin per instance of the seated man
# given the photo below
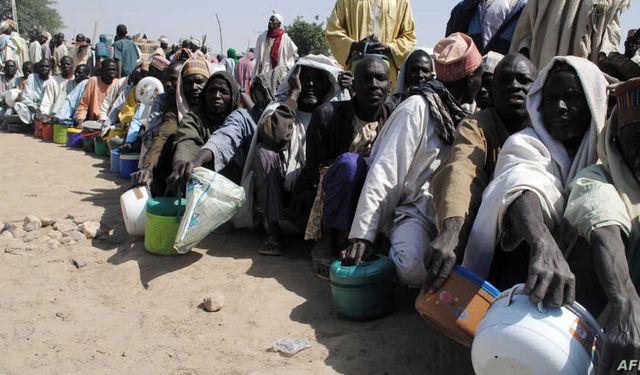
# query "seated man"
(94, 93)
(8, 76)
(604, 206)
(7, 82)
(461, 179)
(157, 162)
(279, 153)
(157, 66)
(512, 238)
(339, 139)
(68, 109)
(220, 97)
(57, 88)
(408, 151)
(417, 69)
(489, 62)
(34, 90)
(27, 70)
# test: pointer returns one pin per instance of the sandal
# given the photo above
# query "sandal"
(271, 247)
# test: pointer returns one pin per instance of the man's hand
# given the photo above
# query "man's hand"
(295, 86)
(440, 257)
(379, 49)
(622, 335)
(549, 279)
(181, 174)
(125, 148)
(143, 177)
(205, 156)
(345, 80)
(356, 253)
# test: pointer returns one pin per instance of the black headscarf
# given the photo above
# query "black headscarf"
(235, 96)
(443, 108)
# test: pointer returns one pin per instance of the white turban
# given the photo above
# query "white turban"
(279, 18)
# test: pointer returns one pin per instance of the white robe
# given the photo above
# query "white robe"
(532, 160)
(396, 197)
(56, 90)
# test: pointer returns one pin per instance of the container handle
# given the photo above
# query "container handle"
(516, 290)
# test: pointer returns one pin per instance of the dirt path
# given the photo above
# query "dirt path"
(130, 312)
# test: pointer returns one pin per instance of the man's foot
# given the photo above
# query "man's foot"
(272, 247)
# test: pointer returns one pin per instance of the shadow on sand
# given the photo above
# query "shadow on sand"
(115, 235)
(414, 347)
(354, 347)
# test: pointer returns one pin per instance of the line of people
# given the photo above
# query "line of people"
(498, 149)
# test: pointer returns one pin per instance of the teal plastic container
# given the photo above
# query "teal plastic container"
(365, 291)
(161, 225)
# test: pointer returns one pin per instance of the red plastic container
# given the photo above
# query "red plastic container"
(47, 132)
(37, 132)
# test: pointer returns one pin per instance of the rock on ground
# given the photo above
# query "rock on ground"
(6, 238)
(47, 221)
(79, 263)
(55, 235)
(214, 302)
(31, 223)
(76, 235)
(90, 229)
(18, 232)
(67, 241)
(65, 226)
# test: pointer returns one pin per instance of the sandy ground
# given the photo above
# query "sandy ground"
(131, 312)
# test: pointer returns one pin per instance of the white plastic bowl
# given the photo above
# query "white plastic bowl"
(134, 206)
(517, 337)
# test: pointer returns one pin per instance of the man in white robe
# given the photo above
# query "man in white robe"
(274, 48)
(395, 198)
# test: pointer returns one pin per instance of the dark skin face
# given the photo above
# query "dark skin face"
(371, 85)
(81, 73)
(565, 111)
(109, 72)
(27, 68)
(10, 69)
(66, 66)
(42, 39)
(419, 69)
(273, 23)
(45, 69)
(193, 86)
(315, 87)
(512, 81)
(484, 98)
(218, 96)
(155, 72)
(137, 75)
(171, 76)
(628, 140)
(465, 90)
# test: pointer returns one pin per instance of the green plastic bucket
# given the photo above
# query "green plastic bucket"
(101, 148)
(364, 291)
(161, 226)
(60, 134)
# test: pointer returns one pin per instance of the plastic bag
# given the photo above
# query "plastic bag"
(290, 347)
(212, 200)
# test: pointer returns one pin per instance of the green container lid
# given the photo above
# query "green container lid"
(365, 273)
(166, 206)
